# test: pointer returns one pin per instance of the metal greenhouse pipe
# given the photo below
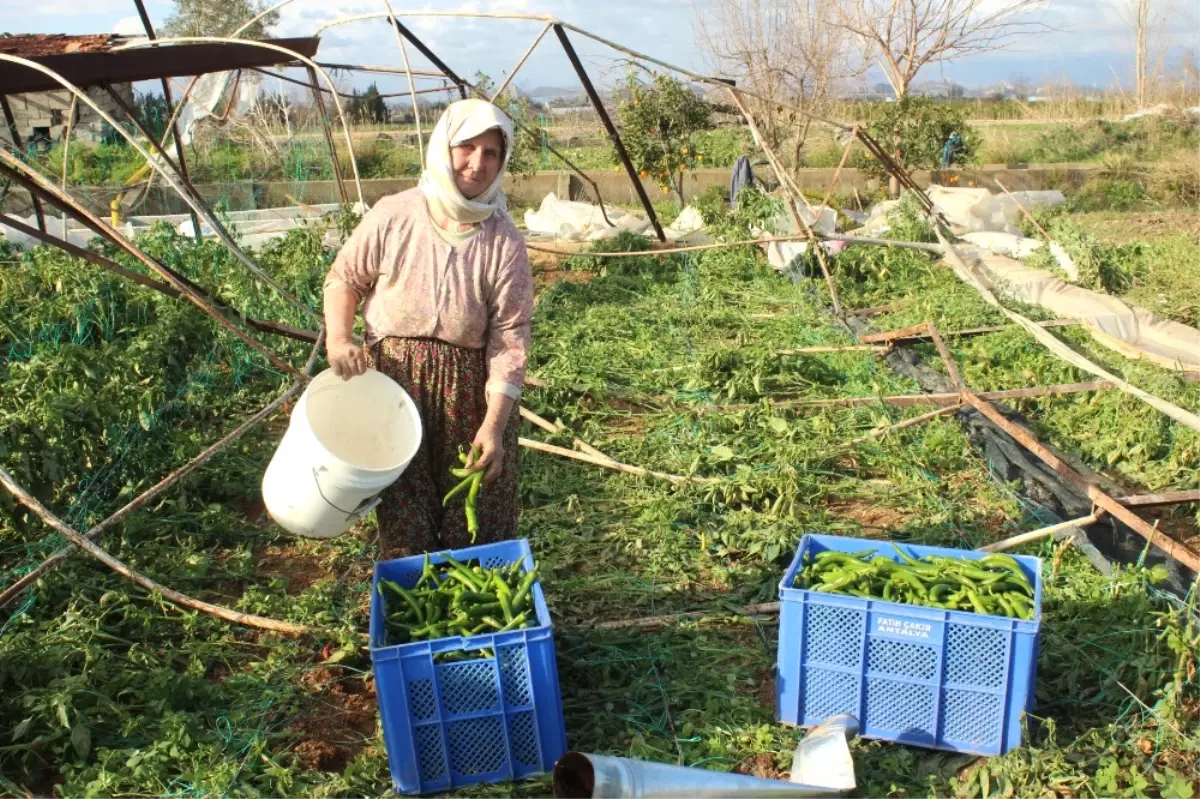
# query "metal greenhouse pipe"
(581, 775)
(822, 759)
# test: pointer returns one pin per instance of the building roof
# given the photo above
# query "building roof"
(90, 60)
(33, 45)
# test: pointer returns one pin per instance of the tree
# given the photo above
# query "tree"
(367, 106)
(921, 127)
(1149, 24)
(787, 51)
(219, 18)
(906, 35)
(658, 123)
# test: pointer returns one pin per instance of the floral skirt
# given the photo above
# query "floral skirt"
(447, 383)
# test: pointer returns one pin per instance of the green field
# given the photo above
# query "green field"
(666, 362)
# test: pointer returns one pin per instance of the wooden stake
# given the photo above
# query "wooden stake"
(550, 427)
(1026, 438)
(1166, 498)
(1037, 535)
(608, 463)
(183, 600)
(951, 367)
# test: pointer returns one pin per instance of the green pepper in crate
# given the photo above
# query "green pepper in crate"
(994, 585)
(453, 598)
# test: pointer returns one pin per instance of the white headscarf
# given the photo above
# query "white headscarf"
(462, 120)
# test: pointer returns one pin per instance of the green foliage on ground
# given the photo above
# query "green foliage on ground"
(667, 362)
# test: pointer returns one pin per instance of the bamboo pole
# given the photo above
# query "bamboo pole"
(412, 85)
(916, 420)
(1037, 535)
(908, 245)
(550, 427)
(650, 622)
(916, 332)
(607, 463)
(935, 398)
(175, 597)
(837, 173)
(781, 174)
(66, 153)
(1023, 210)
(843, 348)
(521, 62)
(33, 180)
(167, 482)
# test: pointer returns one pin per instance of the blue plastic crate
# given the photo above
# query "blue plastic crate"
(936, 678)
(447, 725)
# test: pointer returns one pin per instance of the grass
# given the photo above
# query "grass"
(108, 690)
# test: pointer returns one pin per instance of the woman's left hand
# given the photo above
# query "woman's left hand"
(489, 442)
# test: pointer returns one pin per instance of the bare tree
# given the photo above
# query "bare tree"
(906, 35)
(787, 51)
(1150, 24)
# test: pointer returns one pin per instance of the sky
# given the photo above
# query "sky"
(1089, 45)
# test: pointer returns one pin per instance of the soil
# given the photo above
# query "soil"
(762, 766)
(338, 722)
(766, 688)
(867, 514)
(299, 569)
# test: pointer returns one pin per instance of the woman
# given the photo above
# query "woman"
(447, 294)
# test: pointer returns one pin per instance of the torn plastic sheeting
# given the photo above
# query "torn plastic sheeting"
(571, 220)
(971, 210)
(218, 94)
(781, 255)
(1020, 247)
(1134, 332)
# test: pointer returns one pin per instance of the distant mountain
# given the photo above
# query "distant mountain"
(546, 93)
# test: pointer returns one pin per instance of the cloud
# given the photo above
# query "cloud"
(129, 26)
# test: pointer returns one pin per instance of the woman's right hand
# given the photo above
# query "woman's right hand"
(346, 358)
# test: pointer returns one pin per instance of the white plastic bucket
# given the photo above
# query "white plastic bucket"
(346, 442)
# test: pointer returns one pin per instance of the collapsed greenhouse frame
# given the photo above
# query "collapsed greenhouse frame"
(142, 61)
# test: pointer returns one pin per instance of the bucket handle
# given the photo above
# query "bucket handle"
(366, 506)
